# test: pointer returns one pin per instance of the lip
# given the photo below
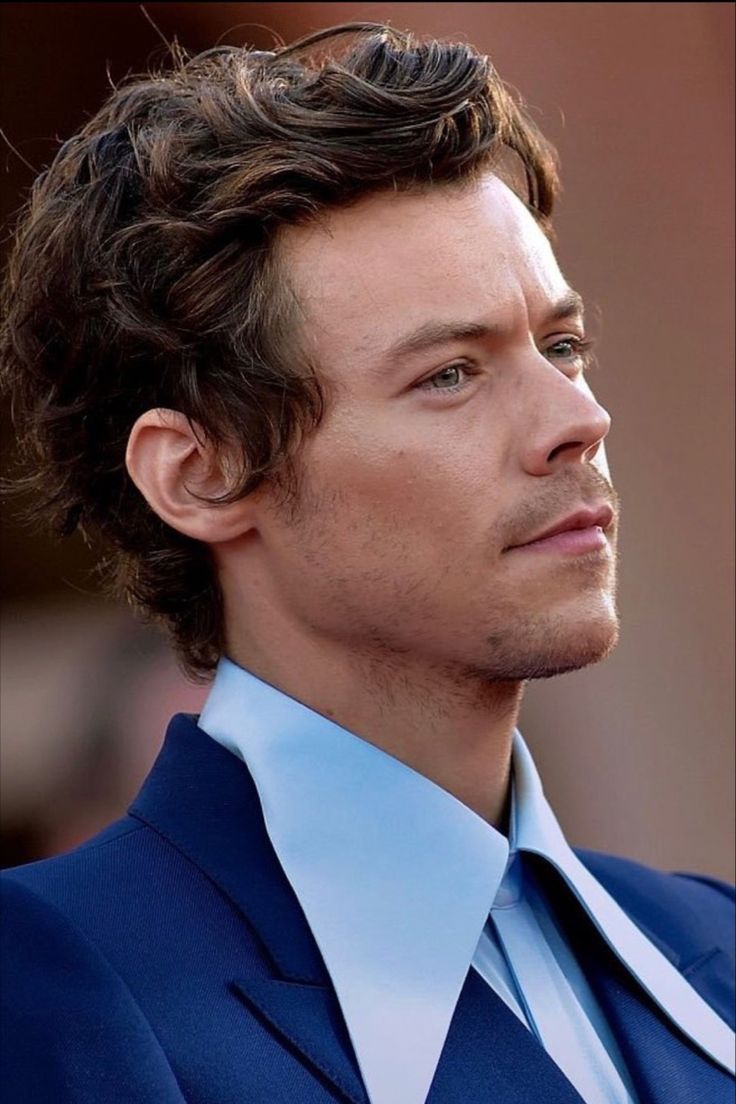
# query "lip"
(591, 522)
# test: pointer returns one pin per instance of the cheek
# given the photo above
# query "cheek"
(418, 462)
(407, 487)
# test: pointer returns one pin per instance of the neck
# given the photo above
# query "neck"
(454, 729)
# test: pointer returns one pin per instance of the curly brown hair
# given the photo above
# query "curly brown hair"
(144, 274)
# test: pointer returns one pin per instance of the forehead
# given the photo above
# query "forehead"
(392, 261)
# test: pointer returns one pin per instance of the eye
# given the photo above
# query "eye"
(579, 349)
(451, 379)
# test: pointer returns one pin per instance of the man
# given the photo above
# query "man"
(288, 330)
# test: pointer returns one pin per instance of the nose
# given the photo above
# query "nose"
(570, 424)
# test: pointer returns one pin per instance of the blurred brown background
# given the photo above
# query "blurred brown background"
(637, 753)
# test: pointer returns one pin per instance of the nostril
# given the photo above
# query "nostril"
(576, 445)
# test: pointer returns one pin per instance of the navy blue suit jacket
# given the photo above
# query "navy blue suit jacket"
(168, 960)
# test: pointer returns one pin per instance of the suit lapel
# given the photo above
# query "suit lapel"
(665, 1066)
(202, 799)
(308, 1018)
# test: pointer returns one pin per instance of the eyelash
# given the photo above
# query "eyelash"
(582, 349)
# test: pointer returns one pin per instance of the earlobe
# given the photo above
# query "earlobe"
(170, 466)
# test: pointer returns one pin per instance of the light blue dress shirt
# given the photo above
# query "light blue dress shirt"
(405, 888)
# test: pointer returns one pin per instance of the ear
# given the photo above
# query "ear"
(166, 462)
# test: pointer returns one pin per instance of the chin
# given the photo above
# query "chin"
(592, 648)
(552, 645)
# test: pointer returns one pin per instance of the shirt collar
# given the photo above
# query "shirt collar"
(394, 873)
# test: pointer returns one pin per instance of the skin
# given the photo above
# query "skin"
(387, 596)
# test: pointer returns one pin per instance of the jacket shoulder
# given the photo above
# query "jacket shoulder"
(68, 873)
(71, 1028)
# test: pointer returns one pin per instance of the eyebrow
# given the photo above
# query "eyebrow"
(437, 333)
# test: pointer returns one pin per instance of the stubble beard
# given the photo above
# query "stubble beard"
(519, 645)
(542, 645)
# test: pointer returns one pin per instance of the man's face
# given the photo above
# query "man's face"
(432, 462)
